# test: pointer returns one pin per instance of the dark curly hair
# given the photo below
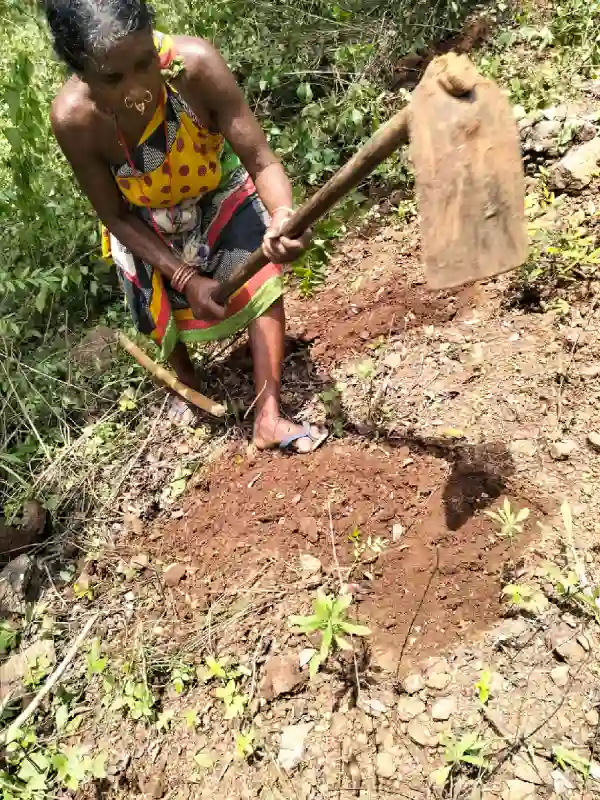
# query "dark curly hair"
(82, 28)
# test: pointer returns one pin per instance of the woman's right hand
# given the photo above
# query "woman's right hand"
(198, 293)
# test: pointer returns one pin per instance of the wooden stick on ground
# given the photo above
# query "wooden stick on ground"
(51, 682)
(166, 377)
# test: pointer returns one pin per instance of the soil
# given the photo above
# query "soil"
(246, 518)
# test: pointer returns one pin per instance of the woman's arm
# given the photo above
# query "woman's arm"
(208, 85)
(72, 129)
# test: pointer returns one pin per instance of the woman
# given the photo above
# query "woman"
(162, 142)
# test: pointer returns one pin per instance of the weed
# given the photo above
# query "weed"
(245, 744)
(330, 620)
(569, 588)
(510, 522)
(483, 686)
(9, 637)
(372, 547)
(468, 751)
(37, 671)
(526, 598)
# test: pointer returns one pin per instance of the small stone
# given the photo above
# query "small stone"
(141, 561)
(563, 642)
(576, 168)
(413, 683)
(592, 717)
(173, 574)
(560, 675)
(438, 681)
(309, 528)
(443, 709)
(309, 564)
(291, 748)
(523, 447)
(393, 360)
(590, 371)
(385, 766)
(518, 790)
(372, 706)
(420, 733)
(594, 439)
(409, 708)
(562, 450)
(536, 771)
(282, 675)
(14, 583)
(153, 786)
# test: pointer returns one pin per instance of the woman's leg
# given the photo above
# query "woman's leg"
(181, 363)
(267, 343)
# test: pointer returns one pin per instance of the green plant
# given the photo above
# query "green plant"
(468, 751)
(509, 521)
(330, 620)
(37, 671)
(527, 598)
(483, 686)
(96, 662)
(245, 744)
(9, 637)
(570, 588)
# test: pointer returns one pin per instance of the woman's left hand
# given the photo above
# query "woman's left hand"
(279, 249)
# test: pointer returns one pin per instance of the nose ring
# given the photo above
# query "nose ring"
(141, 106)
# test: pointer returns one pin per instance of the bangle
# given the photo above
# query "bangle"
(182, 276)
(283, 208)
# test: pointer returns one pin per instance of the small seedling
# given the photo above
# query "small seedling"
(180, 677)
(510, 521)
(244, 744)
(330, 619)
(569, 758)
(96, 663)
(37, 672)
(8, 637)
(215, 668)
(234, 701)
(527, 598)
(190, 718)
(568, 586)
(467, 751)
(483, 686)
(375, 544)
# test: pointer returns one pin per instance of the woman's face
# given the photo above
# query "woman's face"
(128, 74)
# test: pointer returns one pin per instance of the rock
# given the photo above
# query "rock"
(153, 786)
(523, 447)
(592, 717)
(413, 683)
(282, 675)
(443, 709)
(18, 665)
(563, 642)
(291, 748)
(29, 529)
(309, 564)
(420, 733)
(594, 439)
(562, 450)
(174, 574)
(542, 137)
(372, 706)
(590, 371)
(518, 790)
(14, 583)
(576, 169)
(409, 708)
(385, 659)
(309, 528)
(438, 681)
(385, 766)
(536, 771)
(560, 675)
(519, 112)
(393, 360)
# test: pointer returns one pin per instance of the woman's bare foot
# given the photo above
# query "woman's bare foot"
(272, 431)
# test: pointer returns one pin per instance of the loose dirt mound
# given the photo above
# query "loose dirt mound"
(257, 518)
(340, 326)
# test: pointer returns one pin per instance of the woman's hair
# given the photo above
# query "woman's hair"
(83, 28)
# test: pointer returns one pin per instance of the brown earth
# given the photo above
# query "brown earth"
(258, 517)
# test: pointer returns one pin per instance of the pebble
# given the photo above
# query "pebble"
(385, 766)
(409, 708)
(282, 675)
(592, 718)
(309, 528)
(523, 447)
(560, 675)
(173, 574)
(14, 583)
(536, 771)
(438, 681)
(443, 709)
(420, 733)
(518, 790)
(291, 749)
(562, 450)
(562, 641)
(594, 439)
(413, 683)
(309, 564)
(590, 371)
